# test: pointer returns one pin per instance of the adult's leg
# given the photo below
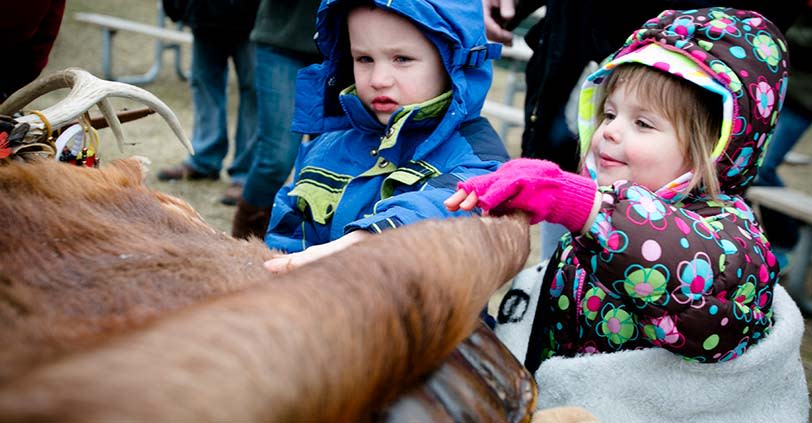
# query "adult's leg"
(782, 230)
(208, 83)
(275, 146)
(790, 127)
(244, 63)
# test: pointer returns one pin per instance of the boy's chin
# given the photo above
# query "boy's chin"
(383, 117)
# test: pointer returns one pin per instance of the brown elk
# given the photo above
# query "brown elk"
(119, 302)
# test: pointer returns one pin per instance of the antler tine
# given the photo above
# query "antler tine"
(88, 90)
(35, 89)
(109, 114)
(121, 90)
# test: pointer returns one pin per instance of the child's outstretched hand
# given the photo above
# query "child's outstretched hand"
(538, 187)
(287, 262)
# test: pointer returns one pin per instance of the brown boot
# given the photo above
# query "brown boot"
(250, 220)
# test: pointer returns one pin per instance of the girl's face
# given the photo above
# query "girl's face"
(393, 63)
(635, 143)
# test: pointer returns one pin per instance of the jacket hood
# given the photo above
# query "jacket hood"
(454, 27)
(738, 54)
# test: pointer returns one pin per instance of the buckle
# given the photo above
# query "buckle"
(476, 56)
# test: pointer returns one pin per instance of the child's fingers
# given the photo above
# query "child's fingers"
(469, 202)
(499, 192)
(288, 262)
(280, 264)
(453, 203)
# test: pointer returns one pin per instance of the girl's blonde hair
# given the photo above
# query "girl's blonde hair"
(696, 114)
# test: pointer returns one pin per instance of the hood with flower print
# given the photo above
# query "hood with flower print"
(737, 54)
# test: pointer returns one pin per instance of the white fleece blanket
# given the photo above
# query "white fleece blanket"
(766, 384)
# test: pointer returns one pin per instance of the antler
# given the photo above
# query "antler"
(86, 90)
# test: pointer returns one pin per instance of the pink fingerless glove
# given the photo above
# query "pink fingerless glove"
(538, 187)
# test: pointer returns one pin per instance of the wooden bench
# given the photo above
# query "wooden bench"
(510, 115)
(165, 39)
(798, 205)
(793, 158)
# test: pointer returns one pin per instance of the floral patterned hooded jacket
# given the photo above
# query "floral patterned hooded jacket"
(682, 272)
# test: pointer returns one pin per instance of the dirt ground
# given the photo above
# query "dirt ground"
(79, 45)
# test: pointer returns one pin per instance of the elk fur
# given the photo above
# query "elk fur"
(118, 302)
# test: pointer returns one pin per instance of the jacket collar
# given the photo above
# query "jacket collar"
(419, 115)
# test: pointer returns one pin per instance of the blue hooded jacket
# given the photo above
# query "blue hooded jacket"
(360, 174)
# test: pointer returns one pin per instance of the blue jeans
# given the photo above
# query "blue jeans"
(781, 229)
(788, 130)
(276, 146)
(209, 83)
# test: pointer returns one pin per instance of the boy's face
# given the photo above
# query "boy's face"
(635, 143)
(393, 63)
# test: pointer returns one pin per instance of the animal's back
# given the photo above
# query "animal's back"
(86, 252)
(118, 302)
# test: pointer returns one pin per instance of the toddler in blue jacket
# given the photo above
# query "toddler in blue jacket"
(396, 101)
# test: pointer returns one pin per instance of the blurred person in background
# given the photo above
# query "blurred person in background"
(283, 35)
(27, 33)
(221, 31)
(796, 116)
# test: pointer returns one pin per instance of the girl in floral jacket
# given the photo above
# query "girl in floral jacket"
(662, 250)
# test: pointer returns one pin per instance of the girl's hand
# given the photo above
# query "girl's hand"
(461, 200)
(538, 187)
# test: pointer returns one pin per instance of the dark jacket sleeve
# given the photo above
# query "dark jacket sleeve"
(174, 9)
(220, 18)
(27, 33)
